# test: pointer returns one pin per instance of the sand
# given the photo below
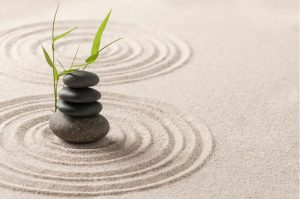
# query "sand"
(201, 98)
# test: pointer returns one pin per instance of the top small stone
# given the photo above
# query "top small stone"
(81, 79)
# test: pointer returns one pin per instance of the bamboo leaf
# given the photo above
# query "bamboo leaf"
(93, 57)
(98, 36)
(56, 74)
(47, 57)
(63, 34)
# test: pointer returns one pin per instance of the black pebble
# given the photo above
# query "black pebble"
(79, 95)
(79, 109)
(81, 79)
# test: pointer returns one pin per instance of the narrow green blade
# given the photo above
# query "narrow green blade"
(48, 59)
(98, 36)
(110, 44)
(61, 64)
(74, 58)
(78, 65)
(53, 23)
(56, 74)
(63, 34)
(93, 57)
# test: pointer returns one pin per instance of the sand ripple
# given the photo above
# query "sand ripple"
(150, 144)
(140, 55)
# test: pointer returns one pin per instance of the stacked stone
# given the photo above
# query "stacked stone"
(78, 119)
(76, 98)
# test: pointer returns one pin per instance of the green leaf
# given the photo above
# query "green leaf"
(92, 58)
(56, 74)
(48, 59)
(63, 34)
(98, 36)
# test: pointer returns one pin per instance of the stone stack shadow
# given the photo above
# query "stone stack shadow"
(77, 118)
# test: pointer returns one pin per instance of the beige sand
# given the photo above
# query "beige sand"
(233, 65)
(149, 145)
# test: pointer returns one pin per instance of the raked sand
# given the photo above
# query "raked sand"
(201, 99)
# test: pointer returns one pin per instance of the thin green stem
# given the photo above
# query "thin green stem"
(85, 66)
(55, 80)
(74, 57)
(61, 65)
(53, 27)
(55, 95)
(78, 65)
(54, 90)
(109, 44)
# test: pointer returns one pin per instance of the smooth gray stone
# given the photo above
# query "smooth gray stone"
(78, 129)
(81, 79)
(79, 95)
(79, 109)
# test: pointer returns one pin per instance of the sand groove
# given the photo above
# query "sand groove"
(141, 55)
(150, 144)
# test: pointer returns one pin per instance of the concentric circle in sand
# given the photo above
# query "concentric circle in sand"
(150, 144)
(140, 55)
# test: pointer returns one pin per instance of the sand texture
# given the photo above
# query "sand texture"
(140, 56)
(201, 97)
(150, 144)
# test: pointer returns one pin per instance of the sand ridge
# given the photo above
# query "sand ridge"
(141, 54)
(150, 144)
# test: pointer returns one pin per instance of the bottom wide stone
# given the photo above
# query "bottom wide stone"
(78, 129)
